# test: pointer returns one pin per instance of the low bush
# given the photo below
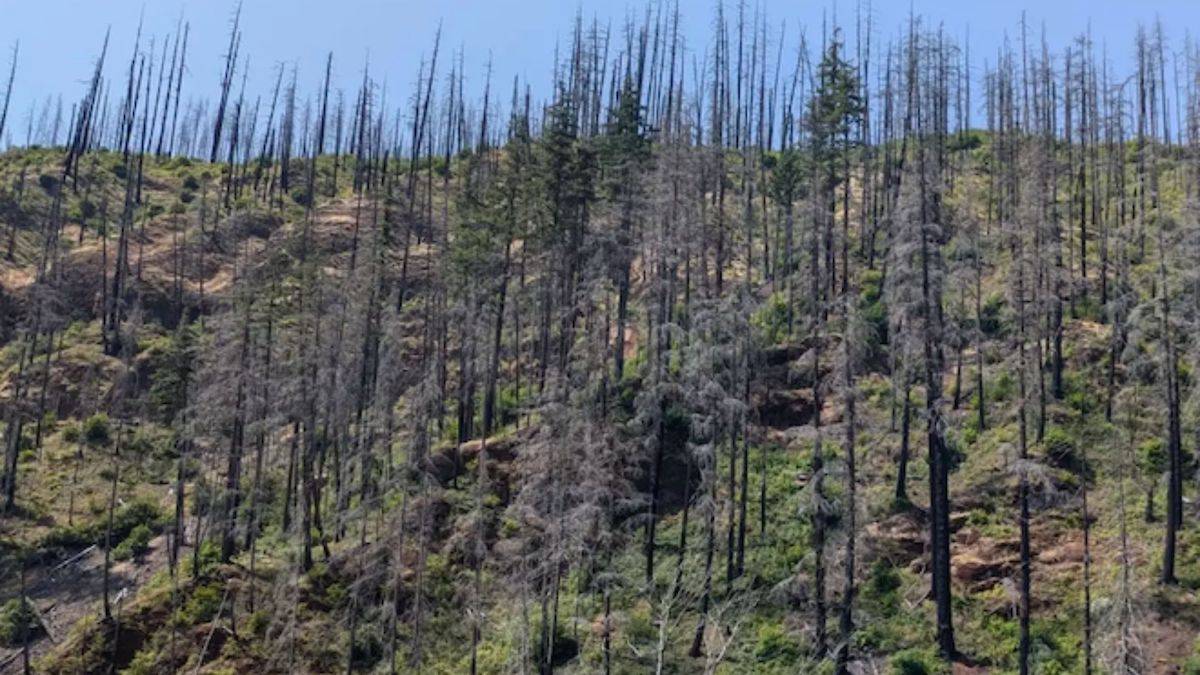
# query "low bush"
(134, 545)
(201, 606)
(773, 643)
(914, 662)
(16, 623)
(1061, 450)
(96, 430)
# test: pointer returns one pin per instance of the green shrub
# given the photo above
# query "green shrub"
(16, 623)
(367, 649)
(258, 623)
(87, 209)
(201, 607)
(989, 320)
(1061, 449)
(1152, 457)
(882, 586)
(493, 657)
(71, 433)
(332, 590)
(300, 196)
(873, 312)
(771, 318)
(60, 541)
(999, 640)
(134, 545)
(1002, 387)
(140, 443)
(914, 662)
(145, 662)
(1089, 307)
(210, 555)
(1081, 401)
(640, 626)
(773, 643)
(954, 451)
(96, 430)
(969, 434)
(136, 513)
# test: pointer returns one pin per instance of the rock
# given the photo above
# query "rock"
(831, 414)
(431, 512)
(783, 408)
(966, 536)
(242, 224)
(970, 568)
(508, 549)
(897, 538)
(599, 628)
(983, 564)
(440, 466)
(499, 448)
(781, 355)
(776, 437)
(802, 437)
(1066, 553)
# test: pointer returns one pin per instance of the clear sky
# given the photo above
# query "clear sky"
(60, 39)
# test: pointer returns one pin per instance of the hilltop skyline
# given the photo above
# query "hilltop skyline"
(519, 37)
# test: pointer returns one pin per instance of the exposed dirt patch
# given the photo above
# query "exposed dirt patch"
(785, 408)
(1167, 643)
(899, 539)
(65, 592)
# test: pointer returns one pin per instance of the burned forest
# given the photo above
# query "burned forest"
(777, 347)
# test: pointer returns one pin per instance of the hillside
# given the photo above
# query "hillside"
(597, 389)
(65, 488)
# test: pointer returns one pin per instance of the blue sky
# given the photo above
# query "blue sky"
(60, 38)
